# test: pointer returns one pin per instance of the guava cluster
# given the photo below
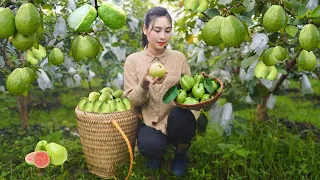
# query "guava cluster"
(47, 153)
(80, 20)
(107, 100)
(195, 89)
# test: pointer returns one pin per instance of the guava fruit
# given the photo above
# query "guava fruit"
(307, 60)
(93, 96)
(190, 5)
(112, 104)
(93, 46)
(56, 56)
(157, 70)
(39, 53)
(203, 5)
(88, 106)
(41, 146)
(273, 73)
(41, 159)
(84, 47)
(261, 70)
(96, 106)
(120, 106)
(81, 103)
(29, 158)
(190, 101)
(280, 53)
(268, 57)
(198, 90)
(106, 89)
(105, 108)
(117, 94)
(105, 96)
(27, 19)
(30, 75)
(23, 42)
(58, 154)
(30, 57)
(81, 19)
(16, 83)
(112, 15)
(274, 18)
(127, 102)
(232, 31)
(7, 25)
(211, 31)
(309, 37)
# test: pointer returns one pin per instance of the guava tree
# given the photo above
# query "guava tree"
(253, 46)
(45, 43)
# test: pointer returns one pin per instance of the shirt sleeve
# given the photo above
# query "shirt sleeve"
(186, 67)
(132, 88)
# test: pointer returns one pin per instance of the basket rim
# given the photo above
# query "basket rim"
(204, 103)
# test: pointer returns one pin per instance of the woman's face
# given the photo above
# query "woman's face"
(158, 33)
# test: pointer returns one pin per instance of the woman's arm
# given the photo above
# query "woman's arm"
(132, 87)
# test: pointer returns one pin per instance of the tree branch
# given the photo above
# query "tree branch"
(5, 55)
(289, 66)
(205, 15)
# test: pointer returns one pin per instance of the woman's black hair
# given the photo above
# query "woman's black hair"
(151, 15)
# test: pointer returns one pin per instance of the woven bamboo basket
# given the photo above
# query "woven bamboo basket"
(204, 104)
(106, 138)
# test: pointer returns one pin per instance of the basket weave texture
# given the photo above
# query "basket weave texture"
(102, 144)
(204, 104)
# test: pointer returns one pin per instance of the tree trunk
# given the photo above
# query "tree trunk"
(22, 106)
(262, 109)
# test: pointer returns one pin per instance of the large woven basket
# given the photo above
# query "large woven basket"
(204, 104)
(106, 138)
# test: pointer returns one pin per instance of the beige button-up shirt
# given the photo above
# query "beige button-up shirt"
(154, 111)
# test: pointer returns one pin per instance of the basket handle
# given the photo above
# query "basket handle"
(128, 144)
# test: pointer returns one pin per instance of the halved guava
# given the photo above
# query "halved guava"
(41, 159)
(29, 158)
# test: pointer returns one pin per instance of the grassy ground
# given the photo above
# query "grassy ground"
(275, 149)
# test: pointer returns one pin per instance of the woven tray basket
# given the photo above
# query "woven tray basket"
(103, 143)
(204, 104)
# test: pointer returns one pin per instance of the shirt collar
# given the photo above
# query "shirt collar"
(162, 57)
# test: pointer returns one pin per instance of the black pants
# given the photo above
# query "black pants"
(181, 128)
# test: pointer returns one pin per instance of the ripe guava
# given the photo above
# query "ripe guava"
(58, 154)
(157, 70)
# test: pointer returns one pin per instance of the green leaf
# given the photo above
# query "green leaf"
(249, 4)
(212, 13)
(302, 10)
(248, 61)
(241, 120)
(282, 71)
(242, 152)
(171, 94)
(238, 9)
(292, 30)
(54, 137)
(240, 131)
(116, 44)
(315, 13)
(208, 85)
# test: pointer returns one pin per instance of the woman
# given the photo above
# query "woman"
(162, 123)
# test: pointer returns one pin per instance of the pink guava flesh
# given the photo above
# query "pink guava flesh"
(41, 159)
(29, 158)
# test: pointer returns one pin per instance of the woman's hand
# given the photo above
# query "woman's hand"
(147, 80)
